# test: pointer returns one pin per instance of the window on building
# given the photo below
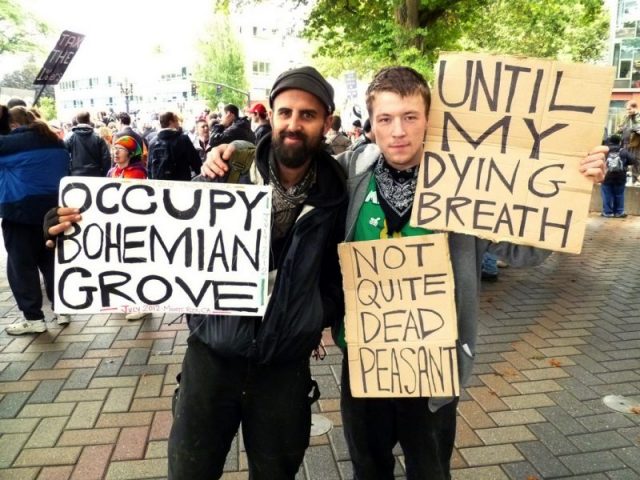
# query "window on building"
(624, 69)
(628, 11)
(261, 68)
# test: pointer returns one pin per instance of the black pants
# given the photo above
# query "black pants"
(217, 394)
(372, 427)
(27, 256)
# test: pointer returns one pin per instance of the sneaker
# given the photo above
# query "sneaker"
(136, 316)
(26, 326)
(620, 215)
(608, 215)
(62, 319)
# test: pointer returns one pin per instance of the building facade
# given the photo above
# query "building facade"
(624, 55)
(271, 44)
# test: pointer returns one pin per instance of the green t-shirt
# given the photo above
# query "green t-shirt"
(371, 224)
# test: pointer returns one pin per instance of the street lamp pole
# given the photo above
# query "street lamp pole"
(126, 89)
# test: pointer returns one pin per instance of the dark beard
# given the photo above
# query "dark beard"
(294, 156)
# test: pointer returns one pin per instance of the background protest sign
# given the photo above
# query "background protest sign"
(158, 246)
(59, 58)
(504, 142)
(400, 322)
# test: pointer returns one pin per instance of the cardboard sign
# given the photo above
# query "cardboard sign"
(400, 322)
(160, 246)
(505, 138)
(59, 58)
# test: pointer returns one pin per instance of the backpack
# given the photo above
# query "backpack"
(614, 163)
(161, 163)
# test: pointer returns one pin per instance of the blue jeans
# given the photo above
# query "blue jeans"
(612, 198)
(27, 257)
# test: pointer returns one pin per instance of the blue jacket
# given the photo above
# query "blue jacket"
(31, 167)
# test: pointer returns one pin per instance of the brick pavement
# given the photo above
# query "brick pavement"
(92, 401)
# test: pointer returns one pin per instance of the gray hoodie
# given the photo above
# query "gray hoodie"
(466, 258)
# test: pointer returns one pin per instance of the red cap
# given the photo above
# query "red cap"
(258, 108)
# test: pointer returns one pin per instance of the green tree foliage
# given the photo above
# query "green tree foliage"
(572, 30)
(24, 77)
(364, 35)
(221, 62)
(20, 30)
(47, 107)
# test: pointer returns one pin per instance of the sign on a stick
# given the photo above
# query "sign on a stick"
(159, 246)
(59, 58)
(400, 322)
(505, 138)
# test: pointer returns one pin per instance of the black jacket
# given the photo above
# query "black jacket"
(184, 157)
(238, 130)
(262, 131)
(90, 156)
(619, 178)
(307, 293)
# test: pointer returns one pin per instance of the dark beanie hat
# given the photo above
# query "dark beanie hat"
(307, 79)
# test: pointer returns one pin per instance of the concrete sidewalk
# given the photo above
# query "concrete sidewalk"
(92, 401)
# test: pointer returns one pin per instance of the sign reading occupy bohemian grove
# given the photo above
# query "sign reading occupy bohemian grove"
(160, 246)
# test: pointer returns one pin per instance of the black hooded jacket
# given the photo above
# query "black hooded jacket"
(307, 293)
(90, 155)
(240, 129)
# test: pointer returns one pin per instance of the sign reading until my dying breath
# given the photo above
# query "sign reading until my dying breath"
(159, 246)
(505, 139)
(400, 322)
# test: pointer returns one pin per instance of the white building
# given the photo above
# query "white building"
(158, 78)
(271, 43)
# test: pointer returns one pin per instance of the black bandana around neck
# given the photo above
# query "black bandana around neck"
(287, 203)
(395, 190)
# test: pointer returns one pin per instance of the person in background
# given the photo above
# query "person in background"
(231, 127)
(200, 139)
(16, 102)
(90, 155)
(107, 135)
(613, 185)
(33, 160)
(172, 155)
(127, 159)
(123, 122)
(356, 130)
(260, 121)
(335, 138)
(366, 138)
(630, 121)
